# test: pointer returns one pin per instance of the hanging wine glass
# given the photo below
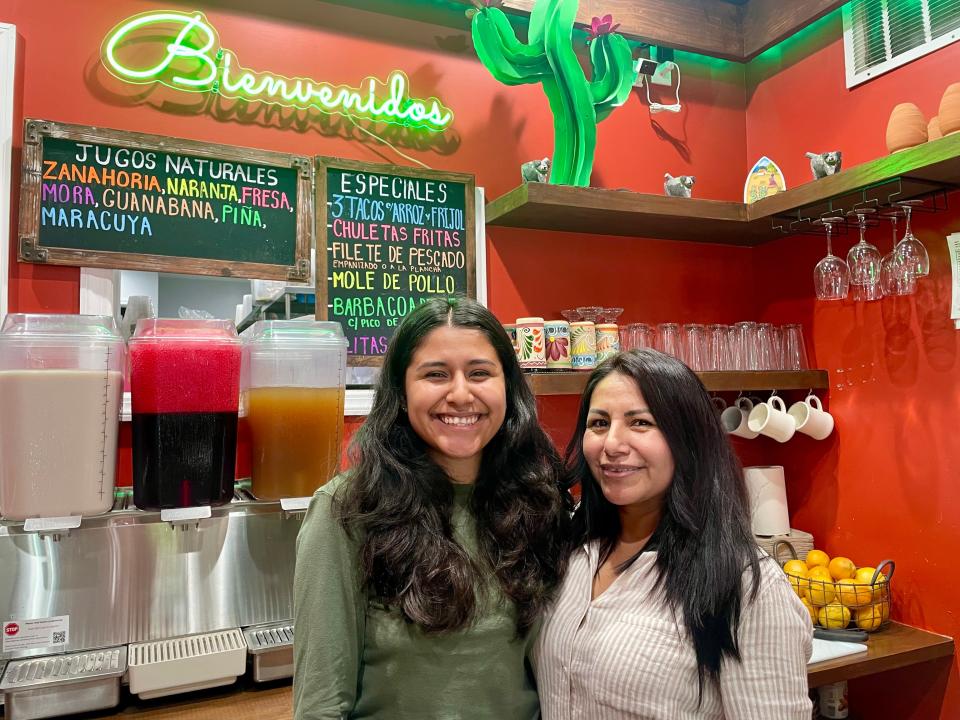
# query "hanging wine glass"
(864, 261)
(831, 276)
(895, 275)
(910, 250)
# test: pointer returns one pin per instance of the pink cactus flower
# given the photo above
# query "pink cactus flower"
(601, 26)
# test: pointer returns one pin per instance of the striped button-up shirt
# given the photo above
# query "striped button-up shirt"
(624, 656)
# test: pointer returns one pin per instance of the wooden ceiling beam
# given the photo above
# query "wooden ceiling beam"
(709, 27)
(701, 26)
(767, 22)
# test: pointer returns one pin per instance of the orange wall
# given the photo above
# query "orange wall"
(878, 487)
(884, 485)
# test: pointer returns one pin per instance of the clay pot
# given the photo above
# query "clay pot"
(950, 110)
(907, 127)
(933, 128)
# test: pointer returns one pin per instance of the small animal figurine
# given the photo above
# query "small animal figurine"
(680, 186)
(824, 164)
(535, 170)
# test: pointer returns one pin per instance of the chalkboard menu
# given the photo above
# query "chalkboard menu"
(107, 198)
(388, 239)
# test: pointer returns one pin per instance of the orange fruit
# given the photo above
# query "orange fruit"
(865, 575)
(869, 618)
(834, 616)
(822, 592)
(853, 594)
(810, 609)
(820, 573)
(796, 571)
(817, 558)
(842, 567)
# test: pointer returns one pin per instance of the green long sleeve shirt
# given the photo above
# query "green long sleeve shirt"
(354, 658)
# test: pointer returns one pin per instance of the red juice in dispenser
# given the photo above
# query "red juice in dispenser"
(185, 387)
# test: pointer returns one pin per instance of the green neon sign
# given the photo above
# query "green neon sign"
(182, 51)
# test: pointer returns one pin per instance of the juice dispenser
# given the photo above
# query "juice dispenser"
(185, 387)
(61, 382)
(294, 374)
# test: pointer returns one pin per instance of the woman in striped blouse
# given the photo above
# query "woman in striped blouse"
(669, 610)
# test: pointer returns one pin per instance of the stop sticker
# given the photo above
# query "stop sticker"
(10, 629)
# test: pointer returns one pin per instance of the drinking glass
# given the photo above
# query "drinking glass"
(718, 348)
(695, 346)
(767, 354)
(794, 352)
(668, 339)
(896, 277)
(864, 261)
(910, 250)
(745, 348)
(642, 336)
(831, 276)
(571, 316)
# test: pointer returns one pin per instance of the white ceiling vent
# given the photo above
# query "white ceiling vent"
(880, 35)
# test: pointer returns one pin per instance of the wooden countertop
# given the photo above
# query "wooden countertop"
(895, 647)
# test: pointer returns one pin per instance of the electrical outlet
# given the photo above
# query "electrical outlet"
(663, 75)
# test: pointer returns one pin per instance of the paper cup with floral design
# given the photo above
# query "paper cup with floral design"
(608, 341)
(530, 343)
(583, 345)
(557, 334)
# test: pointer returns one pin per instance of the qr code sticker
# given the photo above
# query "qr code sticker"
(59, 638)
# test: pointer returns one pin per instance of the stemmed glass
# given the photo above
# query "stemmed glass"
(590, 313)
(609, 315)
(910, 250)
(864, 261)
(831, 276)
(895, 275)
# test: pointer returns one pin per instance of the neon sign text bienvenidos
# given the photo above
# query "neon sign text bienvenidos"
(182, 51)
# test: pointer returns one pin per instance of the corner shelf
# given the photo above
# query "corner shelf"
(921, 171)
(573, 382)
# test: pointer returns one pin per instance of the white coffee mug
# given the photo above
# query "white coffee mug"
(734, 419)
(811, 419)
(771, 419)
(719, 403)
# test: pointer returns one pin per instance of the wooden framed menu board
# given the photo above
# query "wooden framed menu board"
(107, 198)
(388, 239)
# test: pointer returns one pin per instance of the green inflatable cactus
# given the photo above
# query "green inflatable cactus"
(548, 58)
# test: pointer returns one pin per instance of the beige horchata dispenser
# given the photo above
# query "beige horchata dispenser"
(61, 381)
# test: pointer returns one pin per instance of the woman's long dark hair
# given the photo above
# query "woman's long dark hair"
(703, 542)
(398, 501)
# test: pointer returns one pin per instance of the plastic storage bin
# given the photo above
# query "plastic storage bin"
(61, 381)
(294, 378)
(185, 387)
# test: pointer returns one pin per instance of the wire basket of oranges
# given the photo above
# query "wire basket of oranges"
(837, 593)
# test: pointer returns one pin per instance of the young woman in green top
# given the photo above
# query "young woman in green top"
(423, 571)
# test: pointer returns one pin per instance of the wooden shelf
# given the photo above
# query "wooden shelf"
(894, 647)
(573, 382)
(917, 172)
